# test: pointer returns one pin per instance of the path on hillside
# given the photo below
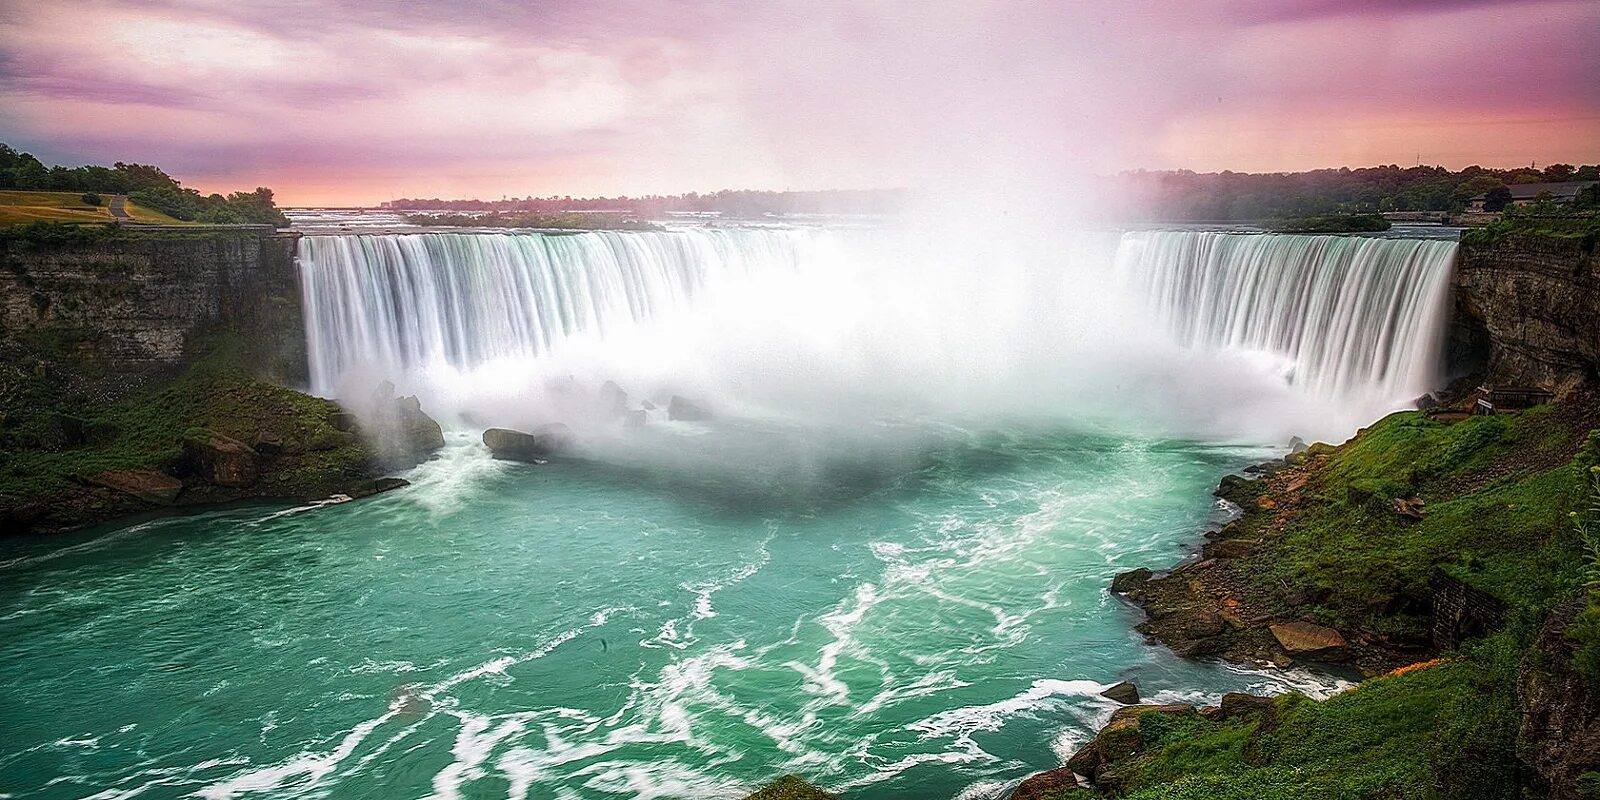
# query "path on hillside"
(117, 205)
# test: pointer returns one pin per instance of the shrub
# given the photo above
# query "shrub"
(90, 198)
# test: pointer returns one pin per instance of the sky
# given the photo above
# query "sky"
(359, 101)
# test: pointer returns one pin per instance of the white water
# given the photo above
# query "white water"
(1230, 335)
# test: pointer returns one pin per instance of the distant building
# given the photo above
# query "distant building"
(1524, 193)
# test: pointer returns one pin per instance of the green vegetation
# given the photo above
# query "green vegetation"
(1332, 223)
(1585, 630)
(559, 221)
(52, 436)
(790, 787)
(1185, 195)
(1545, 220)
(150, 192)
(1497, 488)
(1444, 731)
(24, 207)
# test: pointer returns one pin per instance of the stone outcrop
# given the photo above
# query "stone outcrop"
(221, 460)
(152, 487)
(1527, 304)
(534, 447)
(1309, 641)
(681, 409)
(1118, 740)
(138, 305)
(1125, 693)
(1560, 711)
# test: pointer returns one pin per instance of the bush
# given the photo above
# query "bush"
(90, 198)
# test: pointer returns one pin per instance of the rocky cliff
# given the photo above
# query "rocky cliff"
(1531, 305)
(135, 304)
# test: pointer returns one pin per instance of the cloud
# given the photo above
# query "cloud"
(359, 100)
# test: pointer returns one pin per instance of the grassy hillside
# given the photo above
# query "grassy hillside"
(22, 207)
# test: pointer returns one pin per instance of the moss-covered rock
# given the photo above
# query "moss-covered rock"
(790, 787)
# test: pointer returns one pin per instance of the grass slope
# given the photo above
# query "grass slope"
(20, 208)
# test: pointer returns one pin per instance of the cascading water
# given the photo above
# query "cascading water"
(1352, 324)
(1353, 315)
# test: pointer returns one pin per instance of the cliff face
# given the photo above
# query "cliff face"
(135, 306)
(1532, 303)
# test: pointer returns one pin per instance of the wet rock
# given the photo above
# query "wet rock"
(221, 460)
(1131, 580)
(344, 421)
(680, 409)
(1229, 548)
(1310, 641)
(543, 442)
(1426, 401)
(151, 487)
(1118, 740)
(613, 400)
(376, 486)
(1237, 489)
(1296, 445)
(420, 433)
(1046, 785)
(1125, 693)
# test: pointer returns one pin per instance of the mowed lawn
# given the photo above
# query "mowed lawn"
(20, 208)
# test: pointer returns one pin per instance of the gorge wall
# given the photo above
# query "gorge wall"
(1530, 307)
(137, 305)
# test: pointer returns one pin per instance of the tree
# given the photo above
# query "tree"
(1559, 173)
(1497, 199)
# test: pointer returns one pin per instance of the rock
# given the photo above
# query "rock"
(790, 787)
(221, 460)
(681, 409)
(1310, 641)
(420, 434)
(634, 418)
(1237, 489)
(1560, 731)
(536, 446)
(1196, 623)
(1125, 693)
(1296, 445)
(1046, 785)
(330, 440)
(1131, 580)
(152, 487)
(1426, 401)
(1229, 548)
(1409, 507)
(376, 486)
(613, 400)
(18, 517)
(267, 444)
(1238, 704)
(647, 405)
(344, 421)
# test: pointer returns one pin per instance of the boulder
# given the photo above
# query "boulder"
(1238, 704)
(1409, 507)
(419, 433)
(1131, 580)
(1426, 401)
(681, 409)
(1296, 445)
(344, 421)
(1125, 693)
(1229, 548)
(543, 442)
(221, 460)
(1119, 739)
(613, 400)
(1310, 641)
(147, 485)
(1046, 785)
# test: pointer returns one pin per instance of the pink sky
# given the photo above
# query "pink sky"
(359, 101)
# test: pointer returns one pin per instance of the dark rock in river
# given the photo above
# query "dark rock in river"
(376, 486)
(1131, 580)
(1125, 693)
(536, 446)
(221, 460)
(613, 400)
(681, 409)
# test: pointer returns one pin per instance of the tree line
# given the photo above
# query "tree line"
(146, 185)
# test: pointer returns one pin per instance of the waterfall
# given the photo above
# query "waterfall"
(393, 303)
(1351, 315)
(1185, 318)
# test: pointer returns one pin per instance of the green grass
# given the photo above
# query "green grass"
(1442, 732)
(1510, 536)
(21, 208)
(144, 431)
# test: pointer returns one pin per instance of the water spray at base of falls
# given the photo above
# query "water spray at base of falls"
(1180, 333)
